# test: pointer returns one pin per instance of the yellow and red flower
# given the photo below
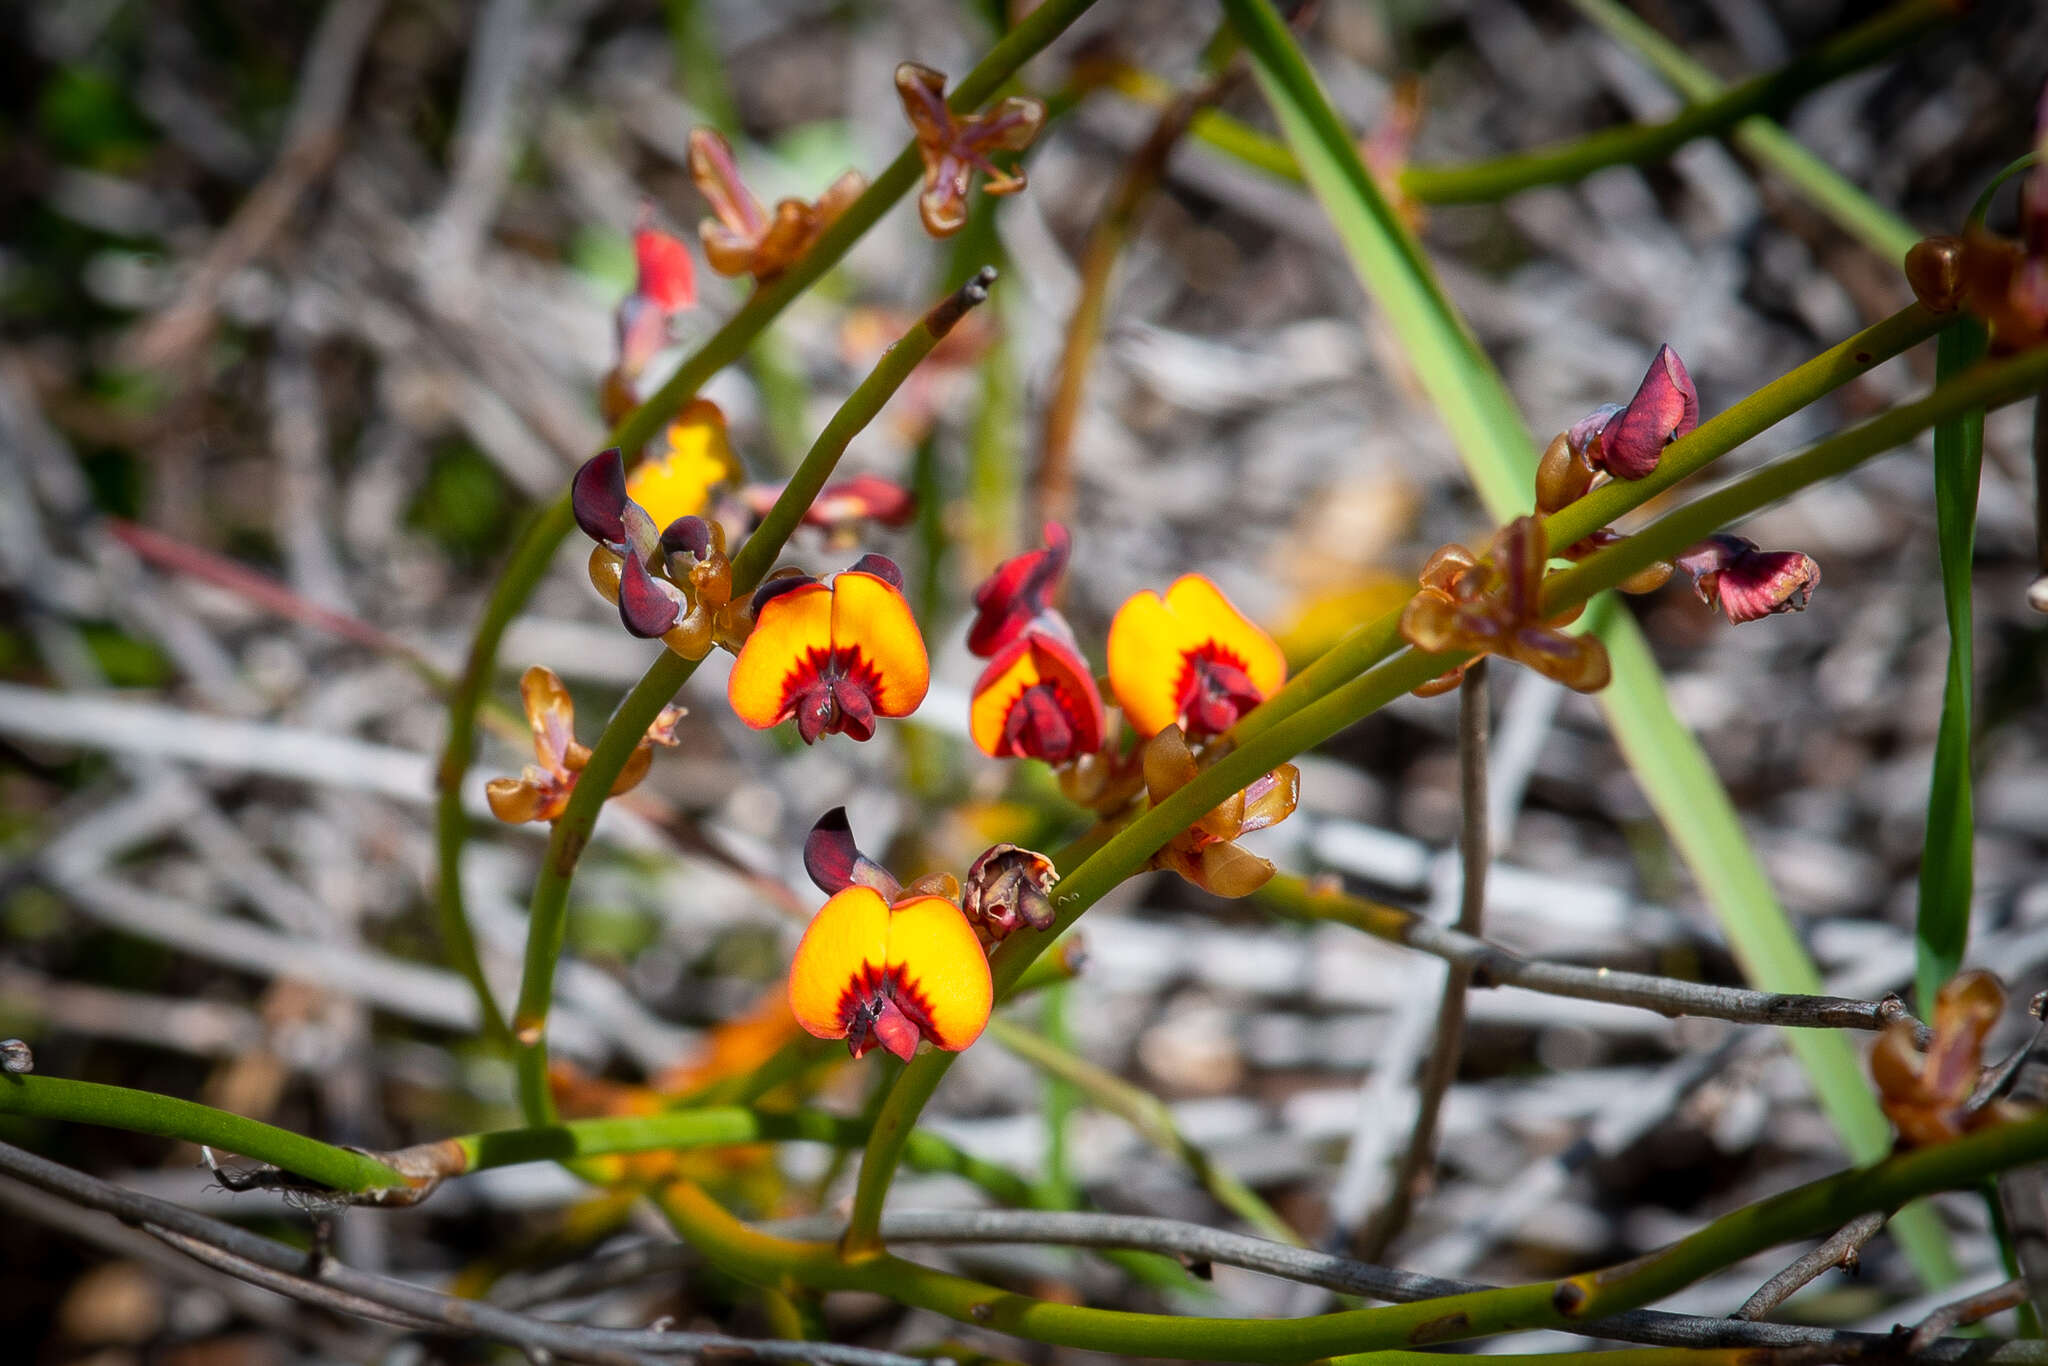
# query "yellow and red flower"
(1037, 698)
(882, 964)
(541, 792)
(1190, 659)
(832, 655)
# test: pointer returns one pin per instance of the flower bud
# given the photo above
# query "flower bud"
(691, 636)
(605, 567)
(1562, 476)
(1934, 268)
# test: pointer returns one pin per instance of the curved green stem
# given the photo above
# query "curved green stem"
(145, 1112)
(1573, 1303)
(1742, 107)
(1862, 217)
(536, 546)
(548, 916)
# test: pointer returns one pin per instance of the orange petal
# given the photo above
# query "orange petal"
(940, 966)
(1001, 684)
(846, 945)
(871, 617)
(1146, 644)
(1213, 617)
(791, 638)
(920, 954)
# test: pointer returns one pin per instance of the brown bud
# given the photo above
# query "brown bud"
(691, 636)
(604, 573)
(1934, 268)
(1562, 476)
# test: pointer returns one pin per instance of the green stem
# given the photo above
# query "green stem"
(536, 547)
(145, 1112)
(1855, 212)
(1152, 1119)
(1739, 107)
(1574, 1303)
(548, 916)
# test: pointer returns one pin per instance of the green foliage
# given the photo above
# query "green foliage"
(464, 502)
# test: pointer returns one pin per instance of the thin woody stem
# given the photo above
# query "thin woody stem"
(1441, 1069)
(1841, 1249)
(535, 549)
(548, 916)
(1489, 965)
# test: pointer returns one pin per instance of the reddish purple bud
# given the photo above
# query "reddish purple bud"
(1666, 407)
(648, 606)
(881, 566)
(1747, 583)
(835, 862)
(1583, 432)
(692, 534)
(667, 276)
(1020, 590)
(861, 498)
(643, 331)
(774, 588)
(597, 495)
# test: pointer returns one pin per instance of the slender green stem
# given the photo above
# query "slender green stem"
(1739, 107)
(1862, 217)
(1574, 1303)
(536, 546)
(1871, 41)
(548, 916)
(1152, 1119)
(145, 1112)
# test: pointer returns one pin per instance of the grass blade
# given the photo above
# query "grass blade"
(1497, 450)
(1942, 926)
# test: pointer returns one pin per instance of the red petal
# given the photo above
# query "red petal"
(667, 275)
(1020, 589)
(598, 497)
(1666, 407)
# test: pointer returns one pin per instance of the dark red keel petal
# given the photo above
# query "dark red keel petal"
(648, 606)
(597, 495)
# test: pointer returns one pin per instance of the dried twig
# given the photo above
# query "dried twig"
(324, 1281)
(1474, 852)
(1840, 1250)
(1969, 1309)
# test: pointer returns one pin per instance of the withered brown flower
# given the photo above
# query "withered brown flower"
(1494, 607)
(541, 792)
(1926, 1095)
(1204, 853)
(745, 239)
(954, 146)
